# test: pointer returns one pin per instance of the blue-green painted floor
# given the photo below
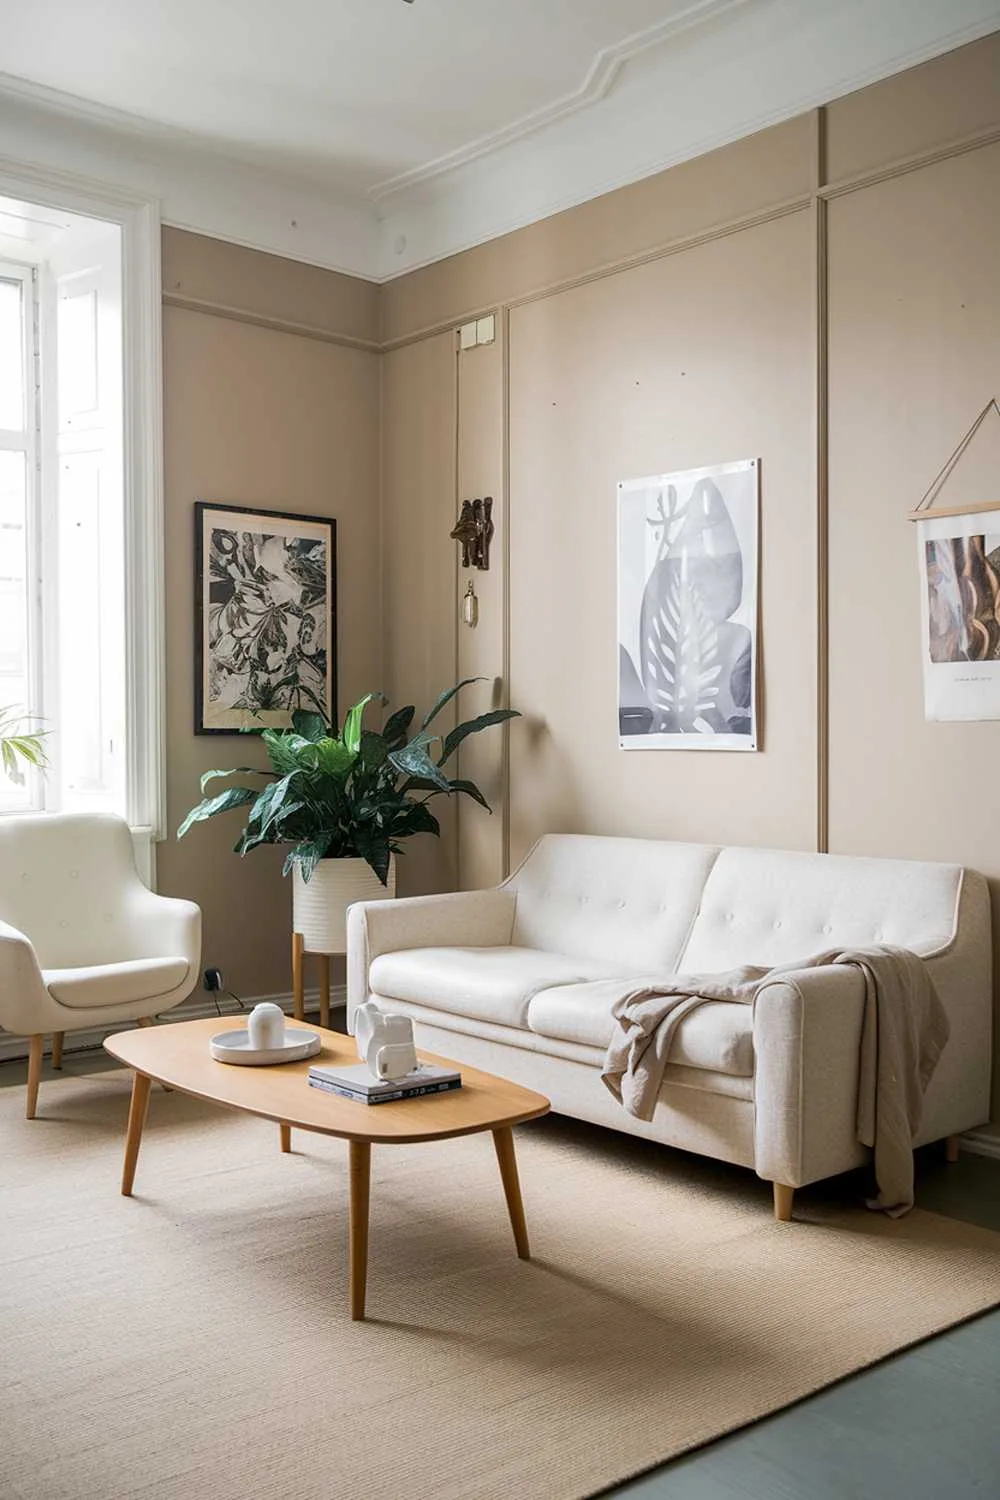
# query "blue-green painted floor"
(924, 1425)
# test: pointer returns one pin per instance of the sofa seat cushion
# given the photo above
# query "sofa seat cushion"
(490, 984)
(98, 985)
(717, 1036)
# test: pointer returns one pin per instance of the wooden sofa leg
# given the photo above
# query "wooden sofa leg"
(57, 1046)
(784, 1197)
(35, 1053)
(951, 1148)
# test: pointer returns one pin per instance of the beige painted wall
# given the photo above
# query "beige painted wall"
(717, 269)
(262, 418)
(914, 354)
(419, 611)
(703, 355)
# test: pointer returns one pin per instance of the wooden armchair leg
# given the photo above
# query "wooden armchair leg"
(36, 1049)
(57, 1046)
(784, 1197)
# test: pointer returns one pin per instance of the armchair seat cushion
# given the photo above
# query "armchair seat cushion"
(490, 984)
(717, 1037)
(97, 985)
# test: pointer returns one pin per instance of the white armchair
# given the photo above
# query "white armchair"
(83, 942)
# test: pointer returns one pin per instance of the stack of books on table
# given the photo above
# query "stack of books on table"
(356, 1082)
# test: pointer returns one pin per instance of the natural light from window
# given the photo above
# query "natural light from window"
(62, 549)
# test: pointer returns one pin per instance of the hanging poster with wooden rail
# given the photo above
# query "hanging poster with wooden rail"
(958, 554)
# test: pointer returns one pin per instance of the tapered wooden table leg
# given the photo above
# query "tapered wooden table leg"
(57, 1046)
(324, 990)
(298, 976)
(503, 1140)
(36, 1049)
(286, 1136)
(133, 1136)
(361, 1162)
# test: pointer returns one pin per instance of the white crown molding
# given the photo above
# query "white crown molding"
(791, 56)
(644, 106)
(600, 76)
(199, 188)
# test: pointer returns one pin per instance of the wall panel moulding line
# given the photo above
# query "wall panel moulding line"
(899, 168)
(691, 241)
(821, 294)
(505, 511)
(268, 320)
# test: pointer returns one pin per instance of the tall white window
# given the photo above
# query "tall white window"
(62, 518)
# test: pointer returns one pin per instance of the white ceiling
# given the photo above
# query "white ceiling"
(352, 92)
(374, 136)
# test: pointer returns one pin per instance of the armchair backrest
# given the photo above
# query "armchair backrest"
(63, 877)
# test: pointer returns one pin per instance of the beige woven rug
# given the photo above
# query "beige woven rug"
(195, 1342)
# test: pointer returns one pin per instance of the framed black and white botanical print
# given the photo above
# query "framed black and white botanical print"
(265, 617)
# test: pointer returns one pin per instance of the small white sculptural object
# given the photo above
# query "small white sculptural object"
(385, 1042)
(266, 1026)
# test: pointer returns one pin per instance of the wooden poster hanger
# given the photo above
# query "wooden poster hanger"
(923, 510)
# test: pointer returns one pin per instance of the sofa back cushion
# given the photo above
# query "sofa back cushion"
(769, 906)
(627, 902)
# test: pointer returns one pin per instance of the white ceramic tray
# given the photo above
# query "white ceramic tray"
(234, 1047)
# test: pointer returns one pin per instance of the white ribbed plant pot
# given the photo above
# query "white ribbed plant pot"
(319, 906)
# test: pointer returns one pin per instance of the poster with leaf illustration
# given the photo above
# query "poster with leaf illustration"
(959, 558)
(687, 609)
(265, 627)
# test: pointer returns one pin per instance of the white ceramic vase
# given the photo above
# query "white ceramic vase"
(319, 907)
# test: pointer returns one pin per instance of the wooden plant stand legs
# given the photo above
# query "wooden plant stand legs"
(57, 1048)
(324, 990)
(133, 1136)
(784, 1197)
(951, 1148)
(36, 1047)
(298, 984)
(503, 1140)
(361, 1162)
(299, 981)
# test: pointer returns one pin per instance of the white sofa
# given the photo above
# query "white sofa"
(520, 981)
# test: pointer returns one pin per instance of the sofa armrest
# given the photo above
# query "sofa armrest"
(461, 919)
(807, 1046)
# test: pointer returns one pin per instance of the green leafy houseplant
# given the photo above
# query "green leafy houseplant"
(350, 795)
(20, 744)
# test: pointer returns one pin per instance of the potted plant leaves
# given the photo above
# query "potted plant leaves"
(344, 802)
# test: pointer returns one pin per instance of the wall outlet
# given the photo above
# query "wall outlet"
(212, 980)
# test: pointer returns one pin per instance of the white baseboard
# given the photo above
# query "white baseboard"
(981, 1143)
(198, 1007)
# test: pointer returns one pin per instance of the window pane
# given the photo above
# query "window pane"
(14, 679)
(77, 333)
(11, 357)
(92, 642)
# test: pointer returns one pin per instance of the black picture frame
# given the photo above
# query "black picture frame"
(281, 611)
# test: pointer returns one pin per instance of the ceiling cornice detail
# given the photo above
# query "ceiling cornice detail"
(600, 77)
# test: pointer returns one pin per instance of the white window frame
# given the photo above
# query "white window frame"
(142, 369)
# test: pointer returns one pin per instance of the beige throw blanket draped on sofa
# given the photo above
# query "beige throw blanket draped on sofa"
(904, 1033)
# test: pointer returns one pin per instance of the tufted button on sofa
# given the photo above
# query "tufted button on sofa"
(83, 943)
(521, 981)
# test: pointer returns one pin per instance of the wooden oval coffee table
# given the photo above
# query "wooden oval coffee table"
(177, 1055)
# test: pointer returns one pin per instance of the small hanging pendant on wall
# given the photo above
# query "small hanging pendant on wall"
(470, 606)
